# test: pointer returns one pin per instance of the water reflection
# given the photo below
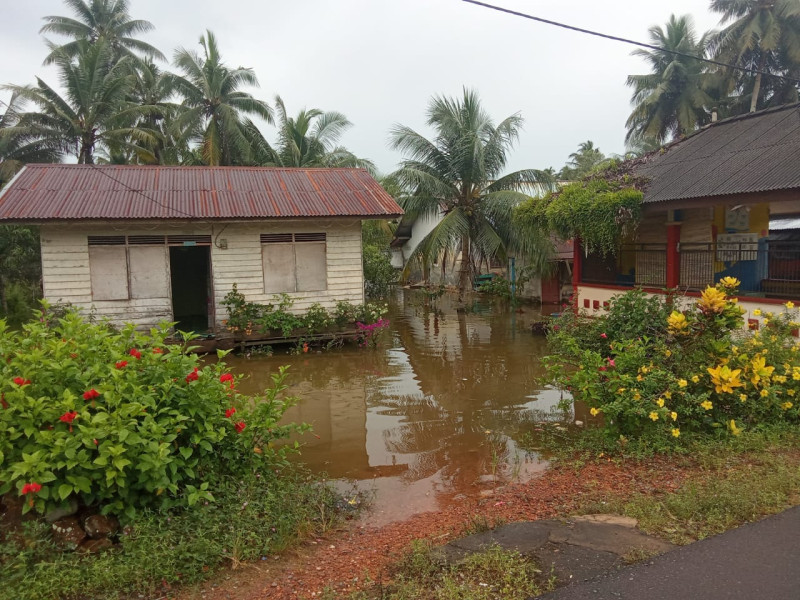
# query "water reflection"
(432, 414)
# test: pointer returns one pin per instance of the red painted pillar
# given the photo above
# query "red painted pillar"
(673, 256)
(577, 268)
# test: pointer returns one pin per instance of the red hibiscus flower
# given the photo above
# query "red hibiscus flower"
(226, 377)
(158, 351)
(230, 412)
(21, 381)
(604, 336)
(89, 395)
(193, 376)
(135, 353)
(68, 417)
(30, 488)
(121, 364)
(240, 426)
(95, 441)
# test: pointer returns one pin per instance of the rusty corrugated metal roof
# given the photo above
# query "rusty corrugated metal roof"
(757, 152)
(79, 192)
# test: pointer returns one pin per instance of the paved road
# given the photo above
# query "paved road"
(757, 561)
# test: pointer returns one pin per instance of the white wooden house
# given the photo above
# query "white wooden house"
(146, 244)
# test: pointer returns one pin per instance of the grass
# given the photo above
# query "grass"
(730, 483)
(252, 517)
(492, 574)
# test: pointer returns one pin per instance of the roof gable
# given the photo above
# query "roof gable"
(82, 192)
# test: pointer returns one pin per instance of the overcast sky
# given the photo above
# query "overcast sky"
(380, 61)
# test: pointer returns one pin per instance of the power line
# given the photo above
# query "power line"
(627, 41)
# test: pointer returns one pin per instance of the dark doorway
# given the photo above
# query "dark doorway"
(191, 292)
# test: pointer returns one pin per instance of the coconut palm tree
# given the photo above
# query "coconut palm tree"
(214, 107)
(763, 35)
(18, 147)
(673, 99)
(99, 20)
(582, 162)
(93, 109)
(459, 175)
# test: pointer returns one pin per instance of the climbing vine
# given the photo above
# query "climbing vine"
(602, 210)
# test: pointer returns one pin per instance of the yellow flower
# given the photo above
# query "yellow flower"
(757, 312)
(725, 379)
(786, 405)
(667, 353)
(743, 397)
(643, 369)
(621, 390)
(760, 370)
(637, 396)
(708, 405)
(660, 402)
(682, 383)
(676, 432)
(764, 393)
(654, 416)
(789, 305)
(780, 378)
(594, 412)
(639, 378)
(674, 415)
(730, 282)
(734, 429)
(677, 322)
(668, 395)
(695, 378)
(712, 300)
(790, 392)
(765, 321)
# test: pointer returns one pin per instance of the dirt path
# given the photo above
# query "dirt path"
(343, 560)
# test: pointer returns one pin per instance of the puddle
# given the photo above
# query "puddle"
(430, 417)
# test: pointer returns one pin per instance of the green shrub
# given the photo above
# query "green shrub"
(379, 274)
(121, 420)
(657, 373)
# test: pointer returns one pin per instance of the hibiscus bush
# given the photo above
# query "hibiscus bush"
(122, 420)
(661, 367)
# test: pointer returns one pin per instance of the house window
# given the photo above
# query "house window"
(294, 262)
(126, 268)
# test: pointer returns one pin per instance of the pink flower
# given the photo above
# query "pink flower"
(121, 364)
(604, 336)
(91, 394)
(239, 427)
(135, 353)
(611, 362)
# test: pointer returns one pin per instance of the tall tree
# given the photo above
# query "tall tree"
(214, 105)
(20, 147)
(760, 34)
(459, 175)
(673, 99)
(582, 162)
(93, 109)
(309, 139)
(98, 20)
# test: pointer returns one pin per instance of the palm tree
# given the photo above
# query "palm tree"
(99, 20)
(587, 158)
(458, 174)
(213, 105)
(18, 148)
(93, 110)
(672, 100)
(310, 139)
(764, 35)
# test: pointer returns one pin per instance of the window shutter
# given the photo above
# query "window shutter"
(108, 267)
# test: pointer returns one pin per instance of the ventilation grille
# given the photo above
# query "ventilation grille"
(276, 238)
(150, 240)
(106, 240)
(200, 240)
(309, 237)
(286, 238)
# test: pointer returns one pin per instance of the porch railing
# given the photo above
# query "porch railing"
(765, 268)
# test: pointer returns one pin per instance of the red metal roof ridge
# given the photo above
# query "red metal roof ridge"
(192, 167)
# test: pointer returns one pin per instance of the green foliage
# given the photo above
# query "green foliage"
(600, 211)
(379, 274)
(257, 513)
(247, 317)
(658, 374)
(120, 420)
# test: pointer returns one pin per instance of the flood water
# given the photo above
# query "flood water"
(431, 416)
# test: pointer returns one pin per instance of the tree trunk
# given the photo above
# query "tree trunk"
(466, 263)
(757, 84)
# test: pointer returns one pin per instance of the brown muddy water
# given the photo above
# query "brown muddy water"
(431, 416)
